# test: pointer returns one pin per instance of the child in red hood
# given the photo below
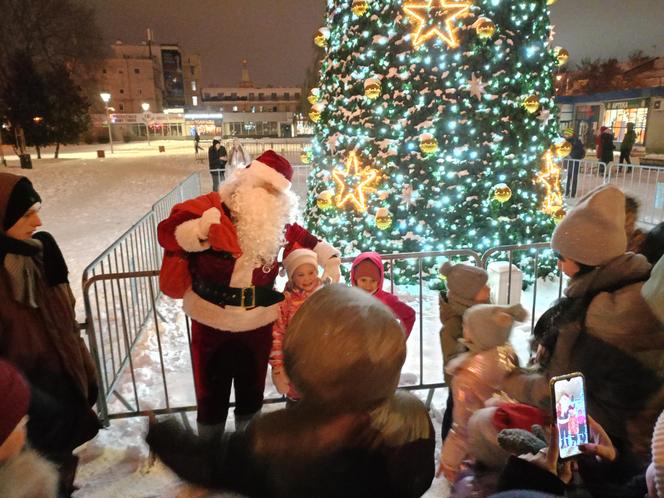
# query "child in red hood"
(367, 273)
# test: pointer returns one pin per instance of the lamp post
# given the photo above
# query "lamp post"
(146, 108)
(106, 97)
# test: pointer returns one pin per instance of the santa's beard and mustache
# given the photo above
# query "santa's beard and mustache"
(259, 216)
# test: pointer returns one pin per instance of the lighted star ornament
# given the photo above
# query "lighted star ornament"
(436, 18)
(476, 87)
(353, 183)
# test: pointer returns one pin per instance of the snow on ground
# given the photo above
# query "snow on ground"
(87, 204)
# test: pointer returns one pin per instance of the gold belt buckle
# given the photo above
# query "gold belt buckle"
(253, 297)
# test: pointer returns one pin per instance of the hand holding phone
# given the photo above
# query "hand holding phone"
(569, 412)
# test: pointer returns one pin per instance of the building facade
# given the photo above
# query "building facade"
(249, 110)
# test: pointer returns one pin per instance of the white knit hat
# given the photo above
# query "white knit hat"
(658, 454)
(486, 326)
(653, 290)
(593, 233)
(299, 257)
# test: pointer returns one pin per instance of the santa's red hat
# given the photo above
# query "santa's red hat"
(273, 169)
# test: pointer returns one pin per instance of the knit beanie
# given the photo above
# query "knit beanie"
(299, 257)
(593, 233)
(487, 326)
(463, 281)
(658, 454)
(14, 399)
(653, 290)
(22, 198)
(367, 268)
(344, 350)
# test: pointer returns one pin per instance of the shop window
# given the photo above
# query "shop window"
(617, 120)
(121, 106)
(137, 71)
(121, 90)
(193, 86)
(194, 101)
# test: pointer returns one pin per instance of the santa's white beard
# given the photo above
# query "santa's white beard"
(260, 218)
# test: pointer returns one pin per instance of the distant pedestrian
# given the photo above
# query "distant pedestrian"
(578, 153)
(197, 143)
(217, 158)
(626, 146)
(606, 139)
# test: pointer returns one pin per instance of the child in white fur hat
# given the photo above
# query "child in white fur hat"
(479, 373)
(301, 265)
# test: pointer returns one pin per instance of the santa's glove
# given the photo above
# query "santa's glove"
(209, 218)
(521, 441)
(331, 269)
(280, 380)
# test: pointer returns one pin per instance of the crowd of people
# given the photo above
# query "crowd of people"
(336, 353)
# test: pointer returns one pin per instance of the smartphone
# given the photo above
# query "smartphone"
(568, 395)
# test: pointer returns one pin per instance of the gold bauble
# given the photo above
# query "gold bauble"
(550, 2)
(316, 111)
(562, 56)
(383, 219)
(531, 104)
(429, 145)
(360, 7)
(321, 37)
(485, 28)
(502, 193)
(314, 96)
(324, 200)
(563, 149)
(559, 214)
(372, 88)
(305, 157)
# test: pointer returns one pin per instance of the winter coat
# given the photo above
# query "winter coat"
(607, 146)
(578, 149)
(653, 245)
(451, 316)
(44, 342)
(28, 475)
(404, 313)
(387, 451)
(178, 234)
(628, 141)
(625, 389)
(293, 299)
(477, 377)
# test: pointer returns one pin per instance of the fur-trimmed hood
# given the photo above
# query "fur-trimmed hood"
(28, 475)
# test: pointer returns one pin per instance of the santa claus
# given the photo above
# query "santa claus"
(220, 258)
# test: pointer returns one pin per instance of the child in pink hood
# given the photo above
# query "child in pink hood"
(367, 273)
(302, 268)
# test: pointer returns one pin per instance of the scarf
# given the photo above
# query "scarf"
(25, 261)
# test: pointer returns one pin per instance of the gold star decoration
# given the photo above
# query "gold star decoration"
(549, 177)
(361, 180)
(430, 17)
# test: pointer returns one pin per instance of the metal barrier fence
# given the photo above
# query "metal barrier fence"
(645, 183)
(156, 373)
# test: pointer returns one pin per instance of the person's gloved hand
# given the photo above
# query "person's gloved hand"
(280, 380)
(331, 269)
(209, 218)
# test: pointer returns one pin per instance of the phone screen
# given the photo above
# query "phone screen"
(570, 409)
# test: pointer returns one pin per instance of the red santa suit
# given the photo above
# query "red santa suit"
(230, 300)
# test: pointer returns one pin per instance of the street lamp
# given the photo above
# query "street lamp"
(106, 97)
(146, 108)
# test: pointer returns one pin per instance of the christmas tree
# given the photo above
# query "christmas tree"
(435, 126)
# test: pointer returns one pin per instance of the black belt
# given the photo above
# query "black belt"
(245, 297)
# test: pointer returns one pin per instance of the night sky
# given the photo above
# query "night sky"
(276, 35)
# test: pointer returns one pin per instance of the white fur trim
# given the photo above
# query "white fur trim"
(243, 273)
(188, 237)
(270, 175)
(325, 251)
(229, 318)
